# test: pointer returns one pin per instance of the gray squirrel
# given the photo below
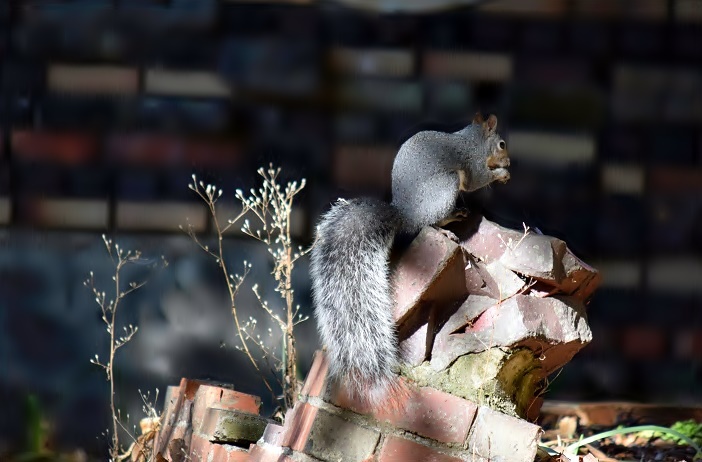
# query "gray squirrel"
(349, 268)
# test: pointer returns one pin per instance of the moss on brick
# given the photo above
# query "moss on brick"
(502, 380)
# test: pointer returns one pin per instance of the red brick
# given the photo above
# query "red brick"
(557, 323)
(541, 257)
(401, 450)
(643, 342)
(188, 403)
(190, 388)
(580, 279)
(500, 282)
(150, 149)
(430, 271)
(485, 243)
(173, 401)
(414, 348)
(60, 147)
(434, 414)
(198, 412)
(334, 438)
(273, 434)
(298, 426)
(203, 450)
(468, 66)
(316, 378)
(498, 436)
(260, 454)
(229, 453)
(396, 399)
(234, 400)
(475, 276)
(205, 396)
(200, 448)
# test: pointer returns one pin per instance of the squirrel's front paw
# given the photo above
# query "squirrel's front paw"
(501, 175)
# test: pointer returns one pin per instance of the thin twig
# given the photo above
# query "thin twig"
(270, 208)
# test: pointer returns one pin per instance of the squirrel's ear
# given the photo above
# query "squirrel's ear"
(478, 118)
(491, 124)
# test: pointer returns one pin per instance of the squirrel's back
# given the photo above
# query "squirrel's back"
(353, 297)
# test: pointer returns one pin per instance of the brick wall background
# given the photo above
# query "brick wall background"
(107, 107)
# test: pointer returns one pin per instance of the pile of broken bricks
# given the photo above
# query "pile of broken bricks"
(484, 315)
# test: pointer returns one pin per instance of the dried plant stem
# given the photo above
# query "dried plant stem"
(110, 369)
(232, 295)
(270, 206)
(120, 258)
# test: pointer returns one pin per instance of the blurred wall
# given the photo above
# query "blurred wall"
(108, 107)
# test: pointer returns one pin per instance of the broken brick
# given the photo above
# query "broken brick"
(204, 450)
(267, 454)
(316, 378)
(535, 255)
(543, 258)
(177, 418)
(475, 275)
(172, 404)
(207, 396)
(502, 282)
(433, 414)
(298, 424)
(397, 449)
(497, 436)
(556, 322)
(580, 279)
(273, 434)
(415, 349)
(483, 238)
(430, 271)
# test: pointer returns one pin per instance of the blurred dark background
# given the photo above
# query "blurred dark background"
(108, 107)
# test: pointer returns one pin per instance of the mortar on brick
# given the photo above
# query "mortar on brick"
(234, 427)
(503, 380)
(332, 438)
(387, 429)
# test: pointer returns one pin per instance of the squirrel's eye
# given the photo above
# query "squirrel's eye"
(501, 145)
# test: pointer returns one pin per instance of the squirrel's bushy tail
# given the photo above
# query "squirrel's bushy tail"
(353, 298)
